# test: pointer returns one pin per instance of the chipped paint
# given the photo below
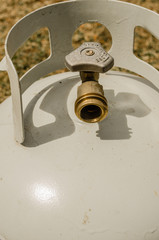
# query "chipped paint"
(152, 233)
(122, 20)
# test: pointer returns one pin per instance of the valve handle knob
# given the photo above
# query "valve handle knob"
(89, 57)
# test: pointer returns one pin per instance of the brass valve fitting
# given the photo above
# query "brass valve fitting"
(90, 59)
(91, 105)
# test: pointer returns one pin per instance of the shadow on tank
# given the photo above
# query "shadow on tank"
(54, 103)
(115, 126)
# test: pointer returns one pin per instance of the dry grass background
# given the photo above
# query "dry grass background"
(37, 49)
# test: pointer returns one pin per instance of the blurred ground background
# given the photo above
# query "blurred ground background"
(36, 49)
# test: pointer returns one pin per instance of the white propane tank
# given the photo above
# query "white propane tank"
(64, 179)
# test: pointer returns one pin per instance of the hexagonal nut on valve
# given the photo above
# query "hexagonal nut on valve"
(90, 59)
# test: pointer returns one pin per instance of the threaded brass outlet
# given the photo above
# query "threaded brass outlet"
(91, 105)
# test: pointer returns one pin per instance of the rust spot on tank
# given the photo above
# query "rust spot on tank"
(85, 219)
(156, 193)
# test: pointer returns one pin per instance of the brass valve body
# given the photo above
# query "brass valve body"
(91, 105)
(90, 59)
